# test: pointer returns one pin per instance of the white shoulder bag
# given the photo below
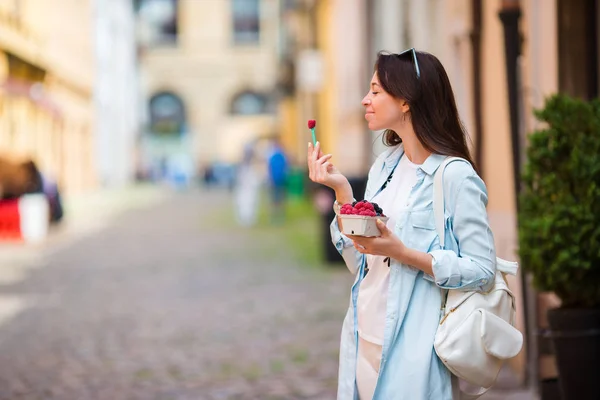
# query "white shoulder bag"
(476, 334)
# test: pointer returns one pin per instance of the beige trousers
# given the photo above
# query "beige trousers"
(367, 368)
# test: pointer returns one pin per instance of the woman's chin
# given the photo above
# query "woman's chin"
(373, 126)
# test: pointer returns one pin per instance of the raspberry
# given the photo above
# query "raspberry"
(369, 206)
(365, 208)
(346, 209)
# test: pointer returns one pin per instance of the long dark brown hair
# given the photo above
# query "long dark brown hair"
(433, 109)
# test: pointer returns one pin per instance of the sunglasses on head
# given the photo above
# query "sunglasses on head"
(414, 57)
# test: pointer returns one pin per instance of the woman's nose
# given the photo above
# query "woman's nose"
(366, 101)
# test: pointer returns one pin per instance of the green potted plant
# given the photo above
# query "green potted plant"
(559, 234)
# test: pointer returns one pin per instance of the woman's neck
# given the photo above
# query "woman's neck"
(413, 148)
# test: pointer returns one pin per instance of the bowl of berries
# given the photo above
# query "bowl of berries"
(360, 218)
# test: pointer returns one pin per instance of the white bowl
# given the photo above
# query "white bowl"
(360, 225)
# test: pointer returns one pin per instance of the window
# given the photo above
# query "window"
(250, 103)
(157, 22)
(246, 21)
(578, 48)
(167, 114)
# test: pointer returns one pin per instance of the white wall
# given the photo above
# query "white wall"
(116, 91)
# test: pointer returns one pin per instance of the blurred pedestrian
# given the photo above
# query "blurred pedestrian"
(247, 188)
(395, 302)
(277, 163)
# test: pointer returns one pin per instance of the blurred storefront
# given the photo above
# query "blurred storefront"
(46, 82)
(68, 81)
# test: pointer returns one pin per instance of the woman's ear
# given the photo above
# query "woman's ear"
(404, 106)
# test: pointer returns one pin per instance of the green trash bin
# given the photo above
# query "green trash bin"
(295, 182)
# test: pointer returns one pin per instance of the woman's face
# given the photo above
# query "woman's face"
(382, 111)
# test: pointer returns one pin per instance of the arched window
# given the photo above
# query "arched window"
(250, 103)
(167, 114)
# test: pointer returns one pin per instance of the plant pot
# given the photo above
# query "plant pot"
(550, 389)
(575, 334)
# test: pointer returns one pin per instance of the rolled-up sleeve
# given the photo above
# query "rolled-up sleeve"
(344, 246)
(475, 264)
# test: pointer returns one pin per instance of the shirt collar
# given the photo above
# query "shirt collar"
(430, 165)
(391, 160)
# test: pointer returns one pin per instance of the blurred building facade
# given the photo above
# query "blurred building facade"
(46, 84)
(208, 77)
(556, 45)
(67, 89)
(323, 76)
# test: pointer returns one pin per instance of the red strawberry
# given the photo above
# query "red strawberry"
(311, 123)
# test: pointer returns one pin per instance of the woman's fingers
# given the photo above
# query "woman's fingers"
(359, 248)
(315, 153)
(324, 158)
(318, 164)
(309, 159)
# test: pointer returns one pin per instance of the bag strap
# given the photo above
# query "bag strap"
(438, 209)
(438, 197)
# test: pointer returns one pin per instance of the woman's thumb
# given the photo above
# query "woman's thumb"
(382, 226)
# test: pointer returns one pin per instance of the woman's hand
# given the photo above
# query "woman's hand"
(387, 245)
(321, 170)
(390, 245)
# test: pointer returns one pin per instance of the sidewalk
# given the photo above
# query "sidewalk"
(84, 214)
(507, 388)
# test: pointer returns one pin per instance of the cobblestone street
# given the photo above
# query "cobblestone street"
(165, 304)
(169, 302)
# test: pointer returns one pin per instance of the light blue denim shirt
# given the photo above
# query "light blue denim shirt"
(410, 368)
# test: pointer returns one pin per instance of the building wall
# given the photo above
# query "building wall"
(444, 28)
(54, 122)
(116, 91)
(207, 70)
(347, 82)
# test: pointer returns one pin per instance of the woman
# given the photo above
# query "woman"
(387, 339)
